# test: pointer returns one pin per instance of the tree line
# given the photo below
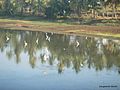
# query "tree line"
(61, 8)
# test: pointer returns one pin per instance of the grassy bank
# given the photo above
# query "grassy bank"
(68, 21)
(57, 26)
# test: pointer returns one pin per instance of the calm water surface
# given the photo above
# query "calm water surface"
(48, 61)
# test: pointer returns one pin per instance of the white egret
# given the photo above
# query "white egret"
(77, 43)
(7, 38)
(25, 43)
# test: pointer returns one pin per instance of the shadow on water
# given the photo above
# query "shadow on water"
(64, 50)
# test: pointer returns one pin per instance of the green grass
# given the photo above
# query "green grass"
(61, 21)
(31, 20)
(45, 23)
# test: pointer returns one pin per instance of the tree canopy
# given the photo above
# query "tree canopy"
(56, 8)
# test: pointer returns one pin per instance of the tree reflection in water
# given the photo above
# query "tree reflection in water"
(70, 51)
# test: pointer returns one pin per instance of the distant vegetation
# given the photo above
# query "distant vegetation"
(95, 9)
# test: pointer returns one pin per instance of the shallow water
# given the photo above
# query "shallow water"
(48, 61)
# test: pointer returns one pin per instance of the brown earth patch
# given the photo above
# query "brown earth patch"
(69, 29)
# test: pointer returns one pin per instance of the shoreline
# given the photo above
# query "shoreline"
(60, 28)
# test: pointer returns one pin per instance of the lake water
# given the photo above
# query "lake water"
(49, 61)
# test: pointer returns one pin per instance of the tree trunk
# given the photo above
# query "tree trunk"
(79, 11)
(103, 13)
(114, 11)
(39, 8)
(31, 7)
(93, 13)
(7, 7)
(22, 8)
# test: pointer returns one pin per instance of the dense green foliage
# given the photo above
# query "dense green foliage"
(58, 8)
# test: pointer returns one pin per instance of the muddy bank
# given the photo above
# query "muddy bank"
(65, 29)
